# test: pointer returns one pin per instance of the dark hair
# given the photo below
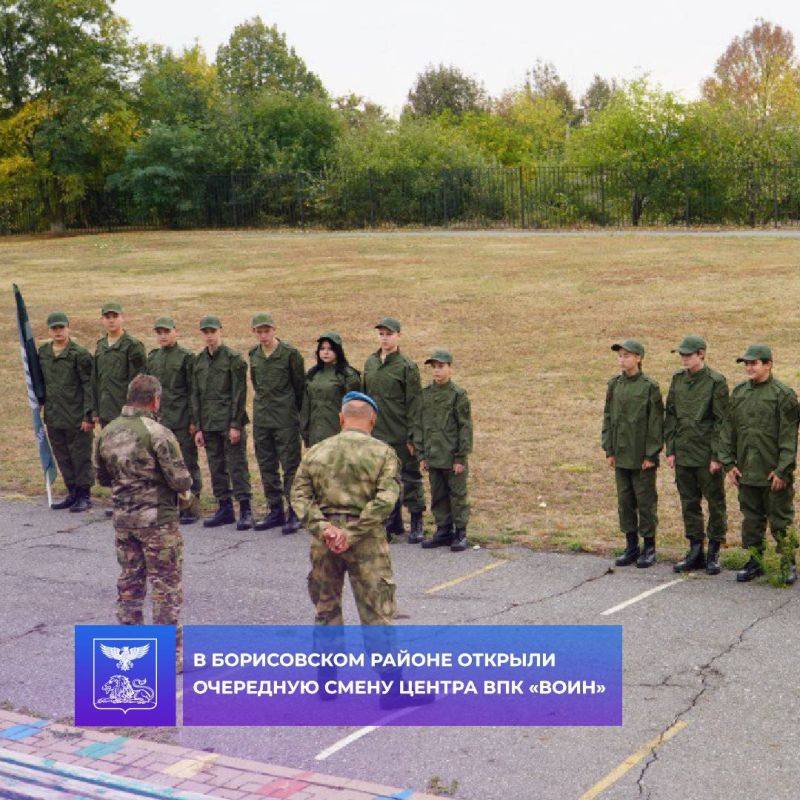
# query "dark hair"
(341, 364)
(143, 389)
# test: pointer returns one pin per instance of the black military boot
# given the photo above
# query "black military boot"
(752, 569)
(245, 515)
(417, 532)
(274, 519)
(790, 576)
(83, 500)
(459, 542)
(190, 515)
(394, 524)
(442, 537)
(292, 524)
(631, 551)
(694, 559)
(648, 556)
(68, 501)
(223, 516)
(712, 559)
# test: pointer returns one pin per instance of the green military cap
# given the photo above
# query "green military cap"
(262, 319)
(164, 322)
(57, 318)
(391, 323)
(631, 345)
(440, 355)
(691, 344)
(210, 321)
(756, 352)
(331, 336)
(112, 306)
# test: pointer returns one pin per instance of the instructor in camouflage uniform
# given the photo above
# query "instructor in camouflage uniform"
(392, 380)
(141, 461)
(697, 403)
(758, 448)
(345, 488)
(173, 366)
(68, 410)
(633, 434)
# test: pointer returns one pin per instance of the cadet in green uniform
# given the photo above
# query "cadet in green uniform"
(279, 379)
(697, 403)
(327, 382)
(68, 410)
(118, 359)
(445, 442)
(219, 397)
(633, 434)
(140, 460)
(758, 447)
(173, 366)
(392, 380)
(345, 488)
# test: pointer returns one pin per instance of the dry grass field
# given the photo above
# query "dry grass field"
(529, 319)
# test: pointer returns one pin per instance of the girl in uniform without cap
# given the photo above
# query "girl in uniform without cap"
(327, 382)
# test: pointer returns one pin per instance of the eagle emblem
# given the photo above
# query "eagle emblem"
(124, 656)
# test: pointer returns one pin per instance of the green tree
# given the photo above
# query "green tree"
(597, 96)
(444, 89)
(543, 81)
(63, 74)
(257, 57)
(357, 112)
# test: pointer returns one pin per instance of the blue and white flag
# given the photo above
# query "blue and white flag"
(34, 380)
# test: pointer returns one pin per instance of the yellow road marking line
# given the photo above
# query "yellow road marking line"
(632, 760)
(466, 577)
(189, 767)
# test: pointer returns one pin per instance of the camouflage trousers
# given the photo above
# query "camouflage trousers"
(637, 500)
(413, 494)
(189, 453)
(449, 501)
(694, 484)
(759, 505)
(368, 564)
(227, 464)
(276, 449)
(155, 555)
(73, 451)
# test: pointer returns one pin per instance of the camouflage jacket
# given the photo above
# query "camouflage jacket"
(68, 385)
(219, 390)
(141, 461)
(394, 384)
(279, 381)
(352, 474)
(115, 366)
(173, 366)
(445, 426)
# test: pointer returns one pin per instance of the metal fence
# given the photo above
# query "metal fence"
(543, 196)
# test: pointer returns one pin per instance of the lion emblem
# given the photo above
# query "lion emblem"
(119, 689)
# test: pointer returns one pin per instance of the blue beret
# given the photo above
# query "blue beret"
(365, 398)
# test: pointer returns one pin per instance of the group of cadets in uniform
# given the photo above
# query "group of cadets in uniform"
(749, 433)
(203, 403)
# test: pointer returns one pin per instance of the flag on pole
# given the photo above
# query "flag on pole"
(34, 380)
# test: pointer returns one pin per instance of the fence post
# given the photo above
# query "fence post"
(371, 190)
(775, 195)
(686, 194)
(442, 178)
(521, 197)
(603, 195)
(299, 191)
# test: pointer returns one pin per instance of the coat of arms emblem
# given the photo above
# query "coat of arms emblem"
(124, 674)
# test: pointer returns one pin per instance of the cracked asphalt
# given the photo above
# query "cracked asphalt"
(707, 653)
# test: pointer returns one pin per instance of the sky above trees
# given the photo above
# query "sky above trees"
(375, 49)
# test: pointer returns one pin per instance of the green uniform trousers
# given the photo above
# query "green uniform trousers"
(413, 493)
(759, 505)
(370, 569)
(189, 453)
(276, 449)
(72, 448)
(637, 499)
(227, 464)
(449, 501)
(694, 484)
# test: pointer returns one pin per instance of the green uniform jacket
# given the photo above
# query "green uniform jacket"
(115, 366)
(633, 420)
(445, 431)
(395, 386)
(351, 473)
(279, 381)
(141, 461)
(68, 385)
(173, 366)
(219, 390)
(759, 434)
(322, 402)
(696, 408)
